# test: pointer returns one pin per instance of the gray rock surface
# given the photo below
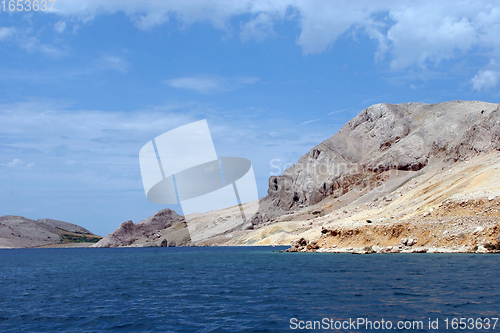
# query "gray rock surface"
(165, 228)
(384, 137)
(55, 224)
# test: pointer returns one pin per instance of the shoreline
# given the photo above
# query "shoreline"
(305, 249)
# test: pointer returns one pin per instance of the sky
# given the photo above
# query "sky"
(85, 85)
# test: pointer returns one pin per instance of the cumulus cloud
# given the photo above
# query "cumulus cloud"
(210, 84)
(322, 22)
(410, 35)
(417, 32)
(485, 79)
(431, 32)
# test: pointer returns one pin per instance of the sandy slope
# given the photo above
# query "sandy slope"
(449, 207)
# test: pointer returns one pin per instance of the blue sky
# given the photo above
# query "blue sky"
(83, 87)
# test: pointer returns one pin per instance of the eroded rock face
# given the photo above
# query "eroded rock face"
(386, 137)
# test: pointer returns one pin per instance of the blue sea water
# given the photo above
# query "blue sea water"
(245, 289)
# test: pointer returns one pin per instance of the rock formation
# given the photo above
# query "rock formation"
(386, 137)
(396, 178)
(165, 228)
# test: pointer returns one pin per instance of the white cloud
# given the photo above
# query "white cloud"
(429, 33)
(198, 84)
(485, 79)
(33, 44)
(322, 22)
(18, 163)
(417, 32)
(6, 32)
(114, 63)
(338, 111)
(151, 19)
(383, 42)
(210, 84)
(259, 28)
(411, 35)
(310, 121)
(55, 75)
(60, 26)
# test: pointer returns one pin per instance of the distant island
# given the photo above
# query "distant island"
(397, 178)
(21, 232)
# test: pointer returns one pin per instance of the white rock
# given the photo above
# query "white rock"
(477, 230)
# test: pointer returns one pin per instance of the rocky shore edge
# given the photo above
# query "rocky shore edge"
(394, 239)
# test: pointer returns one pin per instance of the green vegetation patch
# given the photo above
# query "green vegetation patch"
(74, 238)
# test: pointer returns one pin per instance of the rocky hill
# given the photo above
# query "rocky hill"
(21, 232)
(165, 228)
(405, 177)
(393, 172)
(383, 137)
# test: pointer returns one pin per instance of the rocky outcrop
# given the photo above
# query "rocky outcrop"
(303, 245)
(165, 228)
(422, 235)
(404, 137)
(21, 232)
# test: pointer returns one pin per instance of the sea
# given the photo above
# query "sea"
(245, 289)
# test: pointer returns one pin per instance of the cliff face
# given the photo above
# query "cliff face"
(404, 137)
(19, 232)
(165, 228)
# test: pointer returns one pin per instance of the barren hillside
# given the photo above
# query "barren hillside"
(406, 177)
(19, 232)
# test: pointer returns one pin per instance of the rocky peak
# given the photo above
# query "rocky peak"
(385, 137)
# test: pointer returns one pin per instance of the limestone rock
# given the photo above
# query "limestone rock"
(384, 137)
